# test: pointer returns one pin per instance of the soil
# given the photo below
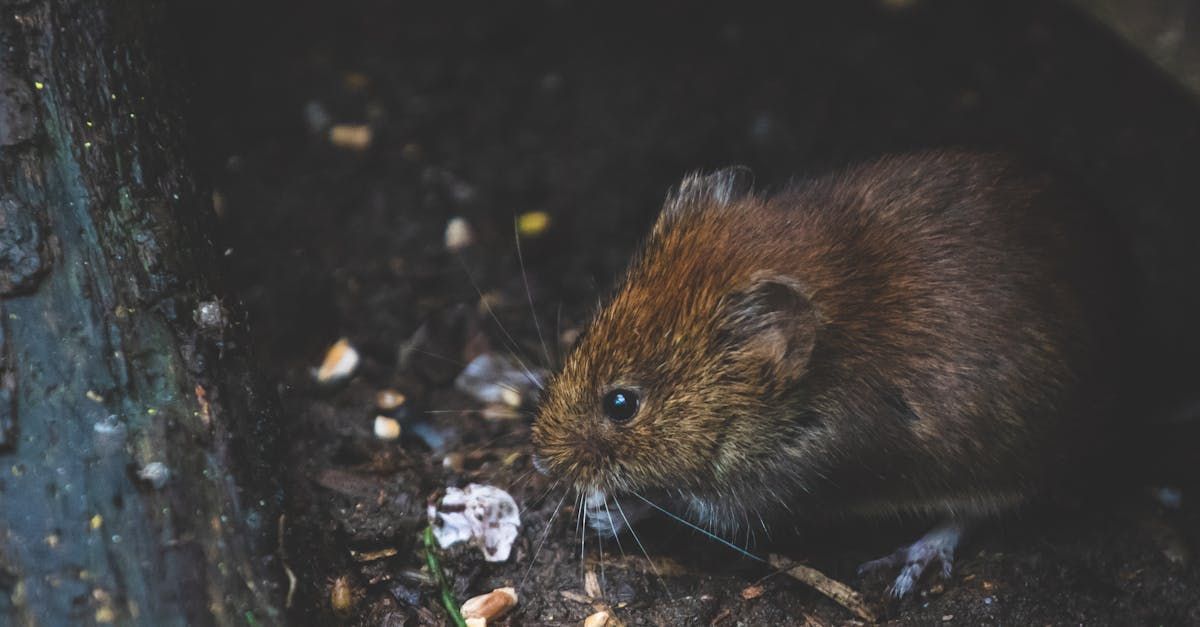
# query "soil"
(589, 112)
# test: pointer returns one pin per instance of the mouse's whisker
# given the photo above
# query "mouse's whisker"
(529, 294)
(541, 497)
(542, 542)
(600, 548)
(700, 529)
(653, 567)
(511, 345)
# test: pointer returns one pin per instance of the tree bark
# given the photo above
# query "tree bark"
(137, 453)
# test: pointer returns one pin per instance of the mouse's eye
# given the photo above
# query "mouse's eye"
(620, 404)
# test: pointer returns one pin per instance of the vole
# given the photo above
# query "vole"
(932, 334)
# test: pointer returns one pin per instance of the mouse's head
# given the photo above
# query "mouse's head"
(675, 386)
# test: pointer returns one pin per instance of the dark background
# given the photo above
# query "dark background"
(590, 111)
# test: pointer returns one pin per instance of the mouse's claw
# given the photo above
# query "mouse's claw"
(937, 545)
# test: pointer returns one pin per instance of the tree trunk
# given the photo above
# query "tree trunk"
(137, 458)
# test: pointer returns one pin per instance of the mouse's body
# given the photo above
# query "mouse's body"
(930, 334)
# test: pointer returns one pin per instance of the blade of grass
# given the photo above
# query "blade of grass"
(435, 569)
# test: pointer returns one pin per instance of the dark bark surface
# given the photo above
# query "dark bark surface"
(136, 481)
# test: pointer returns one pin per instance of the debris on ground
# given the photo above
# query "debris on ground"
(340, 361)
(495, 380)
(459, 234)
(533, 223)
(837, 591)
(389, 399)
(351, 136)
(483, 515)
(491, 605)
(387, 428)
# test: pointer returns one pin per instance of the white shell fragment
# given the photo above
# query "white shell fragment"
(489, 606)
(494, 380)
(156, 473)
(340, 361)
(386, 428)
(483, 515)
(458, 234)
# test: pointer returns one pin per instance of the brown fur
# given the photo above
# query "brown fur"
(926, 333)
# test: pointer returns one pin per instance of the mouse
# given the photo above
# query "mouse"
(933, 335)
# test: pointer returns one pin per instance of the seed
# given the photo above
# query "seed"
(491, 605)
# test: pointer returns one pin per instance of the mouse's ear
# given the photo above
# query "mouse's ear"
(720, 188)
(772, 320)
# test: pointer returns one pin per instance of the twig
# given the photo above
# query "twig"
(436, 570)
(283, 559)
(837, 591)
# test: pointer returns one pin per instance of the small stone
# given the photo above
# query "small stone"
(351, 136)
(386, 428)
(389, 399)
(340, 361)
(459, 234)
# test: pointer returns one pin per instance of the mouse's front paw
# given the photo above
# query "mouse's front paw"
(937, 545)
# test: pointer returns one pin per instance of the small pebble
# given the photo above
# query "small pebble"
(533, 223)
(1169, 497)
(351, 136)
(459, 234)
(386, 428)
(316, 117)
(389, 399)
(340, 361)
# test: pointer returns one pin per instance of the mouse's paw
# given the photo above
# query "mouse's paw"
(936, 546)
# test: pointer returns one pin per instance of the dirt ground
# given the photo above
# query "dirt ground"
(589, 112)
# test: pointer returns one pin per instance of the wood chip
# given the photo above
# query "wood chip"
(837, 591)
(372, 556)
(591, 585)
(577, 597)
(491, 605)
(599, 619)
(752, 592)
